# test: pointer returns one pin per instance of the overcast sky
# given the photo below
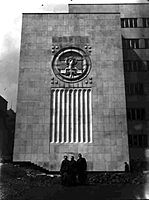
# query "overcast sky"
(10, 35)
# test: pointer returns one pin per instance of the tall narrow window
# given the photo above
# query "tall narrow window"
(127, 66)
(146, 43)
(147, 65)
(145, 22)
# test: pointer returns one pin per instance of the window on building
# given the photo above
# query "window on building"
(135, 114)
(134, 43)
(136, 66)
(130, 142)
(138, 140)
(145, 22)
(131, 43)
(134, 89)
(146, 41)
(127, 66)
(129, 22)
(147, 65)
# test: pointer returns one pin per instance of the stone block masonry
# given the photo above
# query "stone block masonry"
(71, 94)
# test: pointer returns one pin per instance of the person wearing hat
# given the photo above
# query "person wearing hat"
(64, 171)
(73, 171)
(81, 169)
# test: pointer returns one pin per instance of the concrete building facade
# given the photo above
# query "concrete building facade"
(71, 92)
(135, 37)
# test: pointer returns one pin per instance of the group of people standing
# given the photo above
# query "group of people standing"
(72, 171)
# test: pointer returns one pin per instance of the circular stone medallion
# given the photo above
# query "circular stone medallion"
(71, 64)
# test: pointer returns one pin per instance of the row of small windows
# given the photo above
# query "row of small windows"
(135, 114)
(134, 89)
(136, 66)
(138, 140)
(134, 22)
(135, 43)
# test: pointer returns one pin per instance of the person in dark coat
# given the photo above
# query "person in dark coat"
(73, 171)
(64, 171)
(81, 169)
(126, 167)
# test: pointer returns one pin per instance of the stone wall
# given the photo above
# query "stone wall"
(108, 149)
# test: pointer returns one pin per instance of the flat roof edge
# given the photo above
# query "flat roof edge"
(111, 4)
(72, 13)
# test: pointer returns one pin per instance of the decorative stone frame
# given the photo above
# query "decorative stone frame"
(75, 53)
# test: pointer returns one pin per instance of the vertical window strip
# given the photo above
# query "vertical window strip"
(130, 43)
(135, 113)
(134, 89)
(146, 43)
(145, 22)
(129, 22)
(133, 22)
(138, 140)
(136, 65)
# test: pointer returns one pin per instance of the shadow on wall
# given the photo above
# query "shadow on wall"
(136, 72)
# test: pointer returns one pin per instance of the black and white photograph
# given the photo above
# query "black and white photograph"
(74, 100)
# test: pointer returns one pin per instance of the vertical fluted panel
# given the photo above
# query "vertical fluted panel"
(70, 119)
(90, 116)
(79, 113)
(86, 116)
(76, 116)
(52, 115)
(81, 116)
(63, 116)
(58, 117)
(67, 116)
(55, 122)
(71, 115)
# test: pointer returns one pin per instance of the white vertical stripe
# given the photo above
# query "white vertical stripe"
(58, 116)
(76, 122)
(90, 115)
(86, 117)
(124, 23)
(79, 113)
(81, 116)
(72, 116)
(67, 117)
(62, 115)
(55, 123)
(128, 23)
(53, 117)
